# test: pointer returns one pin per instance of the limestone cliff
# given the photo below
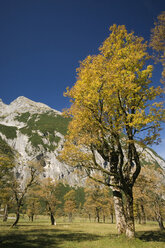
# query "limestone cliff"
(35, 131)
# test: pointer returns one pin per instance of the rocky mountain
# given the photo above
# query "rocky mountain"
(35, 131)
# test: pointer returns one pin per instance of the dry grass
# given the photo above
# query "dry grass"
(41, 234)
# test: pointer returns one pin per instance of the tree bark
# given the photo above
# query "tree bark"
(130, 225)
(117, 195)
(119, 210)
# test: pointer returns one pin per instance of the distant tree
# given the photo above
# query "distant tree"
(107, 204)
(79, 198)
(157, 41)
(20, 187)
(88, 207)
(141, 198)
(6, 176)
(94, 198)
(150, 192)
(32, 203)
(98, 201)
(113, 104)
(156, 193)
(48, 194)
(70, 204)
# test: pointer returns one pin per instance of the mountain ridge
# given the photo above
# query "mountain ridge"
(34, 130)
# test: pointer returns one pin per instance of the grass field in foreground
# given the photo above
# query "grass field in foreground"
(41, 234)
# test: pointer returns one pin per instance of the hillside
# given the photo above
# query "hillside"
(34, 130)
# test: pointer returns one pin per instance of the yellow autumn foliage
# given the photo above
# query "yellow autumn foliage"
(113, 94)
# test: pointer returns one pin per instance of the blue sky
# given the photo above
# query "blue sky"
(42, 42)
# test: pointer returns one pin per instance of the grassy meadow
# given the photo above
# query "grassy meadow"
(79, 234)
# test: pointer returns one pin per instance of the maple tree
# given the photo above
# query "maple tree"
(113, 104)
(150, 189)
(20, 188)
(141, 198)
(6, 175)
(47, 192)
(32, 204)
(158, 41)
(97, 200)
(94, 199)
(70, 204)
(107, 206)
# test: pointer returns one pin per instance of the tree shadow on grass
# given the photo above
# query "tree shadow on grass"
(158, 236)
(39, 238)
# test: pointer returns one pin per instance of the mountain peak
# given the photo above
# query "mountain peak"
(23, 101)
(23, 104)
(2, 104)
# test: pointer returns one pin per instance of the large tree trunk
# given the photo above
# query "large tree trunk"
(130, 225)
(119, 210)
(129, 178)
(117, 195)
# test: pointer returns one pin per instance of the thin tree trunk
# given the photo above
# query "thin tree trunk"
(52, 218)
(160, 222)
(130, 225)
(97, 215)
(17, 219)
(143, 214)
(5, 213)
(70, 217)
(138, 214)
(32, 217)
(89, 216)
(159, 215)
(160, 219)
(111, 218)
